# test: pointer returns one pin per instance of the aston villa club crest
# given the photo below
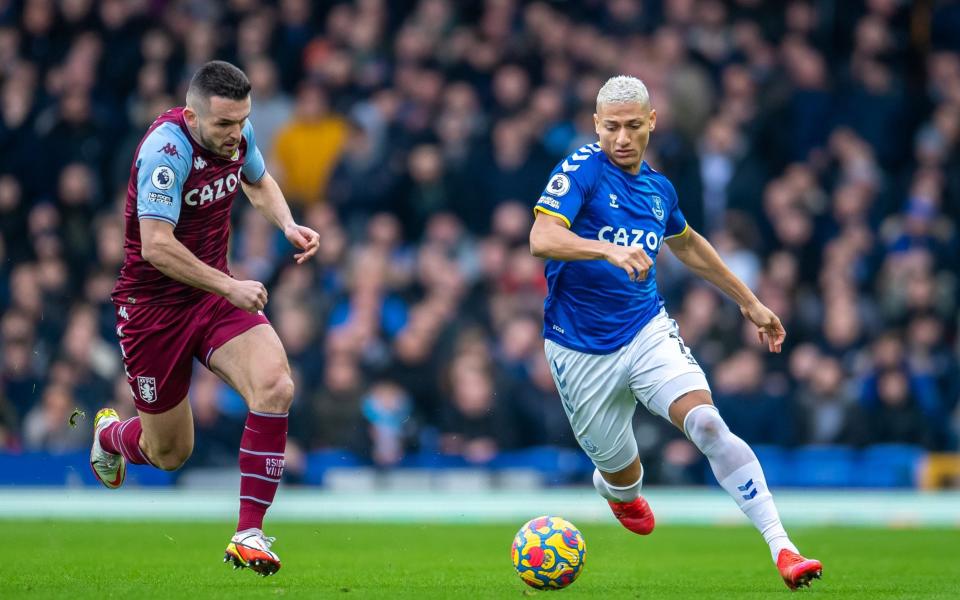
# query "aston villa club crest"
(658, 211)
(148, 389)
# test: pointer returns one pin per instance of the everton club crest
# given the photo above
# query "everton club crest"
(658, 211)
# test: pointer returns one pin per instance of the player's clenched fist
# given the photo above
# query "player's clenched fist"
(631, 259)
(250, 296)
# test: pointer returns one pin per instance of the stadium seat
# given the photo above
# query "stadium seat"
(774, 460)
(557, 465)
(146, 476)
(822, 466)
(888, 466)
(433, 460)
(72, 469)
(543, 458)
(319, 461)
(938, 470)
(584, 466)
(775, 465)
(37, 468)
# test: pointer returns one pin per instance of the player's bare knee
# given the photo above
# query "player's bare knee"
(275, 395)
(170, 458)
(173, 460)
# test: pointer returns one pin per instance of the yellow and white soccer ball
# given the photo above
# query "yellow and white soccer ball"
(548, 553)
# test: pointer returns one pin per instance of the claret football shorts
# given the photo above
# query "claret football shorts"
(600, 391)
(159, 343)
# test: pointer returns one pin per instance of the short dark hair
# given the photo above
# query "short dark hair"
(218, 78)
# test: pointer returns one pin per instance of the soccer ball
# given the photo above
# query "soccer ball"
(548, 553)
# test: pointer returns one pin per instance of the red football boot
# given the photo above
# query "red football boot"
(250, 549)
(634, 515)
(796, 570)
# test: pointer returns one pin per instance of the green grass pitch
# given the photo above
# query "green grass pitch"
(64, 559)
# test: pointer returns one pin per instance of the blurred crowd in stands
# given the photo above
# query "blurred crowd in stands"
(815, 142)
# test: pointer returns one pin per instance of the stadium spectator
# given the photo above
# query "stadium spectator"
(272, 107)
(538, 410)
(360, 186)
(387, 409)
(307, 147)
(216, 433)
(475, 424)
(828, 411)
(751, 405)
(897, 418)
(8, 427)
(333, 417)
(46, 426)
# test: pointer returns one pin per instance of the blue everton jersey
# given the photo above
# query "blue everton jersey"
(592, 306)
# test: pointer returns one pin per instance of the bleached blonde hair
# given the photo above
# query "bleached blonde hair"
(623, 89)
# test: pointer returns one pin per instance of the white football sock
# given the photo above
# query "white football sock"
(616, 493)
(737, 469)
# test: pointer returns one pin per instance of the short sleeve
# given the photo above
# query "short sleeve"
(253, 165)
(163, 165)
(676, 224)
(567, 189)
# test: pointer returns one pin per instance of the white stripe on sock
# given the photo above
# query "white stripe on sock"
(274, 415)
(255, 499)
(261, 453)
(119, 439)
(115, 440)
(259, 477)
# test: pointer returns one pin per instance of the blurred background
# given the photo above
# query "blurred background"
(815, 142)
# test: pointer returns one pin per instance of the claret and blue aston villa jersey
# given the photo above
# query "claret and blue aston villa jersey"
(592, 306)
(175, 179)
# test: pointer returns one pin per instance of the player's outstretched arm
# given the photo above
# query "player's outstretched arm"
(550, 238)
(700, 257)
(267, 197)
(164, 251)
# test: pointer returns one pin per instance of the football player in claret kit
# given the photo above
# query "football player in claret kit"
(602, 219)
(176, 301)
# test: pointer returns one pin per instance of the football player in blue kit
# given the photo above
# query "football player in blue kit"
(600, 223)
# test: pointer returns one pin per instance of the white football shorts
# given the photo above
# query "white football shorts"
(600, 391)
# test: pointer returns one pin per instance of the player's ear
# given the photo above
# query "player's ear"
(190, 116)
(596, 123)
(653, 119)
